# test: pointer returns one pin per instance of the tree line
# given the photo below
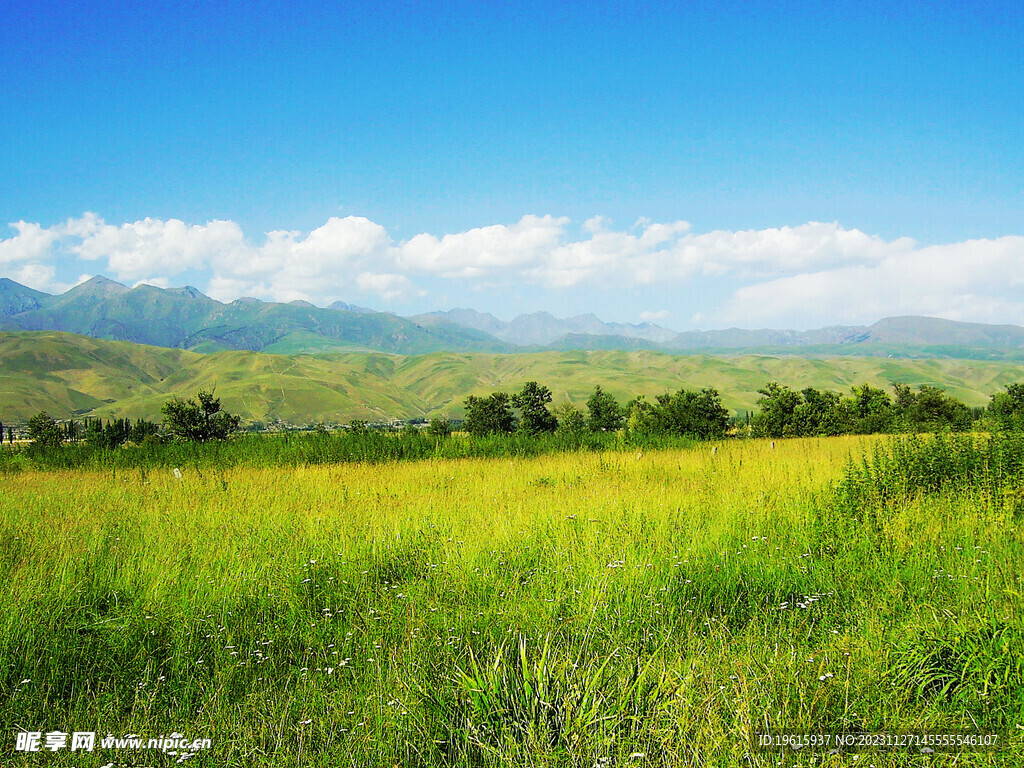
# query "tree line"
(782, 412)
(788, 413)
(693, 414)
(197, 420)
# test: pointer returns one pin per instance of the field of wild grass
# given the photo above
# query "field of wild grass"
(585, 609)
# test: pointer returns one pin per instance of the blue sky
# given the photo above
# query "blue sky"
(699, 165)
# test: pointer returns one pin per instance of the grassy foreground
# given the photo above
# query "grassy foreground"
(588, 609)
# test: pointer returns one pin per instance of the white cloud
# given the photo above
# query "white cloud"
(42, 277)
(536, 249)
(974, 280)
(31, 243)
(228, 289)
(340, 242)
(477, 252)
(800, 276)
(765, 252)
(608, 256)
(153, 245)
(87, 224)
(653, 317)
(156, 282)
(319, 267)
(388, 286)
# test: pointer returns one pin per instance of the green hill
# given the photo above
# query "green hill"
(66, 374)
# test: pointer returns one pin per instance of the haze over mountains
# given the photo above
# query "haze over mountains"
(184, 318)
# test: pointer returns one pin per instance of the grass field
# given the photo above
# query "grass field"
(584, 609)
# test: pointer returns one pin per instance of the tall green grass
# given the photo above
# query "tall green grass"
(988, 466)
(581, 609)
(312, 448)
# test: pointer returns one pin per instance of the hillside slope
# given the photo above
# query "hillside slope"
(67, 374)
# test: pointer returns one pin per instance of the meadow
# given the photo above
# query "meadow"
(640, 608)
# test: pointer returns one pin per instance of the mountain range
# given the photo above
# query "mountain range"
(184, 318)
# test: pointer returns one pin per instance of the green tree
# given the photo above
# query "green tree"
(936, 409)
(904, 399)
(778, 403)
(819, 413)
(929, 409)
(641, 419)
(94, 435)
(198, 421)
(695, 414)
(489, 415)
(143, 431)
(1007, 408)
(872, 410)
(117, 432)
(604, 412)
(532, 403)
(44, 431)
(439, 427)
(1016, 394)
(571, 420)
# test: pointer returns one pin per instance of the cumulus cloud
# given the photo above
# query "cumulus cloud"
(387, 286)
(767, 252)
(317, 267)
(30, 243)
(228, 289)
(973, 280)
(153, 245)
(608, 256)
(812, 274)
(42, 277)
(478, 251)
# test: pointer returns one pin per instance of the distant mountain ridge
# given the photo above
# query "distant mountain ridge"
(185, 318)
(16, 298)
(891, 335)
(543, 329)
